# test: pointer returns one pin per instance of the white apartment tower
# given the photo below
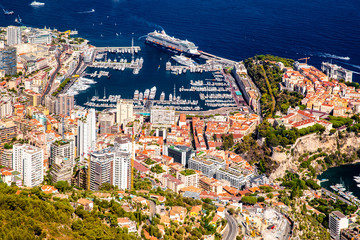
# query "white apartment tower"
(124, 111)
(86, 138)
(121, 170)
(29, 161)
(13, 35)
(62, 148)
(337, 221)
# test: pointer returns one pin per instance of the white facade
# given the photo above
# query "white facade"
(337, 221)
(162, 116)
(13, 35)
(189, 180)
(86, 140)
(39, 38)
(29, 161)
(121, 170)
(6, 108)
(124, 111)
(64, 149)
(336, 72)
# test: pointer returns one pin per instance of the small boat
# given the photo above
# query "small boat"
(18, 19)
(159, 67)
(6, 12)
(35, 3)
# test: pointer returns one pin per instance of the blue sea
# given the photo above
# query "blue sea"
(234, 29)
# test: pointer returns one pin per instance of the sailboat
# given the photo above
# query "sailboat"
(18, 19)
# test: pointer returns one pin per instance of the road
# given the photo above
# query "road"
(64, 90)
(152, 208)
(232, 226)
(52, 77)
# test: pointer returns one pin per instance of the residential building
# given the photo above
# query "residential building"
(177, 214)
(337, 221)
(172, 183)
(235, 174)
(6, 158)
(13, 35)
(6, 108)
(86, 203)
(8, 131)
(350, 234)
(124, 112)
(29, 161)
(62, 149)
(80, 179)
(125, 222)
(101, 168)
(189, 177)
(10, 176)
(207, 164)
(8, 60)
(180, 154)
(122, 170)
(65, 104)
(106, 121)
(61, 169)
(86, 139)
(162, 116)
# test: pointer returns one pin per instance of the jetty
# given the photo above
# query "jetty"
(134, 49)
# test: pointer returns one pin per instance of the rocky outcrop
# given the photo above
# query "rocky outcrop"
(311, 143)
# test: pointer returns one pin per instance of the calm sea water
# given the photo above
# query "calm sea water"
(235, 29)
(342, 174)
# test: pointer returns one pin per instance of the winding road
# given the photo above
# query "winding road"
(232, 226)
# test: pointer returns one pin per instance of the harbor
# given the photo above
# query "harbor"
(213, 88)
(342, 182)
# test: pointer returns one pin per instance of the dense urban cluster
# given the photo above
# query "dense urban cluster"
(74, 172)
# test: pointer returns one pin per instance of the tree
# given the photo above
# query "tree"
(249, 200)
(62, 186)
(231, 211)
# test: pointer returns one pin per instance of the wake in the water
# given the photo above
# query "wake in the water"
(354, 66)
(91, 11)
(148, 23)
(333, 56)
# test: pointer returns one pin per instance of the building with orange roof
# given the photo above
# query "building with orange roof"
(195, 210)
(125, 222)
(48, 189)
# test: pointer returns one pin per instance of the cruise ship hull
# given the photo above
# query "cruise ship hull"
(171, 49)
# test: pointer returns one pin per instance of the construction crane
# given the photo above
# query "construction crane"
(132, 156)
(304, 59)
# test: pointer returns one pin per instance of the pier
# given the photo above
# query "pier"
(119, 49)
(211, 57)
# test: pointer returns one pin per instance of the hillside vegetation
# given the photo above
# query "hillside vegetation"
(267, 77)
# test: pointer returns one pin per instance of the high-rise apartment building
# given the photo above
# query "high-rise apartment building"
(29, 161)
(13, 35)
(86, 139)
(7, 133)
(65, 103)
(122, 170)
(337, 221)
(8, 60)
(63, 149)
(101, 168)
(61, 169)
(124, 111)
